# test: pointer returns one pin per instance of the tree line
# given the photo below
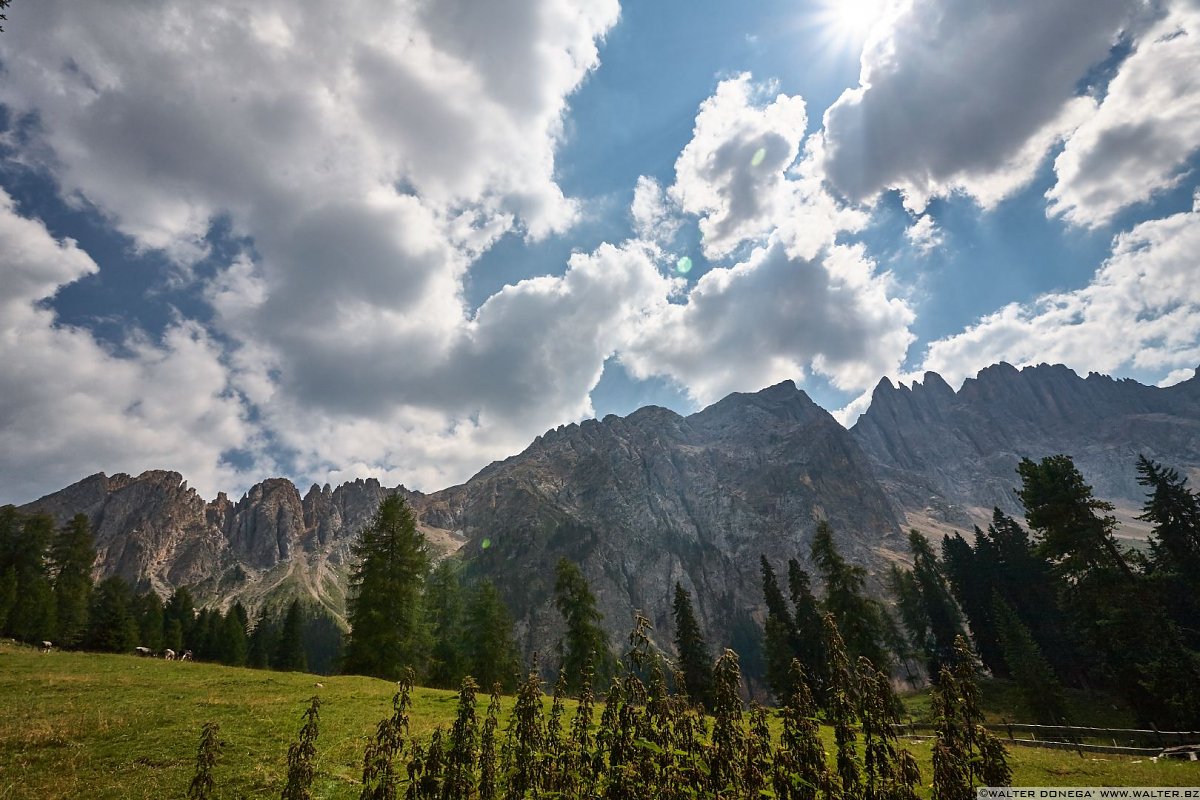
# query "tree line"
(47, 593)
(1061, 604)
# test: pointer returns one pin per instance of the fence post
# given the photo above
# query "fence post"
(1157, 736)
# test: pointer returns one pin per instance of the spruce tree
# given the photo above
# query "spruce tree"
(32, 617)
(148, 614)
(387, 621)
(263, 640)
(180, 610)
(1174, 511)
(695, 663)
(112, 628)
(860, 619)
(445, 616)
(779, 632)
(810, 633)
(585, 644)
(289, 649)
(323, 639)
(1041, 691)
(232, 644)
(491, 651)
(71, 556)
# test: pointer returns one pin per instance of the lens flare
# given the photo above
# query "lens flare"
(485, 544)
(683, 266)
(758, 156)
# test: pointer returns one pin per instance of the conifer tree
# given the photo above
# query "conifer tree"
(860, 619)
(263, 640)
(289, 649)
(232, 645)
(71, 557)
(1174, 511)
(780, 640)
(148, 615)
(26, 540)
(180, 609)
(387, 621)
(1041, 690)
(112, 627)
(445, 616)
(490, 649)
(810, 633)
(585, 643)
(695, 663)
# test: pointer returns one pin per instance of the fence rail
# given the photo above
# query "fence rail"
(1119, 741)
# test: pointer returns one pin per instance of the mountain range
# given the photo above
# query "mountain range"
(654, 498)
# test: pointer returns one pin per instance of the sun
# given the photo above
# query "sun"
(849, 21)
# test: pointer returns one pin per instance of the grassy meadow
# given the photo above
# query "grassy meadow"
(104, 726)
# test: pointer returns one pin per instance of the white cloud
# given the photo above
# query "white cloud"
(966, 96)
(732, 172)
(656, 218)
(72, 408)
(1141, 311)
(924, 235)
(1137, 140)
(774, 317)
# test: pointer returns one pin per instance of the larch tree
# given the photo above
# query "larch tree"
(387, 621)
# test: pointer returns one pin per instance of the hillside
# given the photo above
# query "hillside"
(102, 726)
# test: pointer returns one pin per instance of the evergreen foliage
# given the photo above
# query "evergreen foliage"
(860, 619)
(289, 649)
(810, 633)
(387, 621)
(489, 648)
(72, 555)
(112, 628)
(148, 616)
(445, 616)
(1042, 692)
(695, 663)
(585, 643)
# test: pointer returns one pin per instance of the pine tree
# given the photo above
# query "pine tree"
(26, 540)
(71, 556)
(1174, 511)
(148, 615)
(112, 628)
(180, 610)
(695, 663)
(263, 640)
(779, 632)
(971, 572)
(491, 651)
(585, 643)
(445, 616)
(289, 649)
(387, 622)
(860, 620)
(1041, 690)
(810, 634)
(232, 644)
(1076, 529)
(323, 640)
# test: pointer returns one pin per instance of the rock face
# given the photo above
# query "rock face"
(949, 457)
(653, 498)
(646, 500)
(268, 547)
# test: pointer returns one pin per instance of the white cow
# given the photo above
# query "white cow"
(169, 654)
(46, 646)
(144, 652)
(187, 656)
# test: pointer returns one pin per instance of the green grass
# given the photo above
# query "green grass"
(100, 726)
(1002, 701)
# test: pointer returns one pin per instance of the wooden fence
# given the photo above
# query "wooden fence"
(1121, 741)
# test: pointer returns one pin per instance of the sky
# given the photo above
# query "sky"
(402, 239)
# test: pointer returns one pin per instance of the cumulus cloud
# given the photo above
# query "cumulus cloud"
(966, 96)
(924, 235)
(773, 317)
(1141, 311)
(1139, 137)
(72, 408)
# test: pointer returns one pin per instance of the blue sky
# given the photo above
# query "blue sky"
(402, 239)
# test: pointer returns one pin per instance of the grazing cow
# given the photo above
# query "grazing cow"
(46, 646)
(187, 656)
(169, 654)
(144, 652)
